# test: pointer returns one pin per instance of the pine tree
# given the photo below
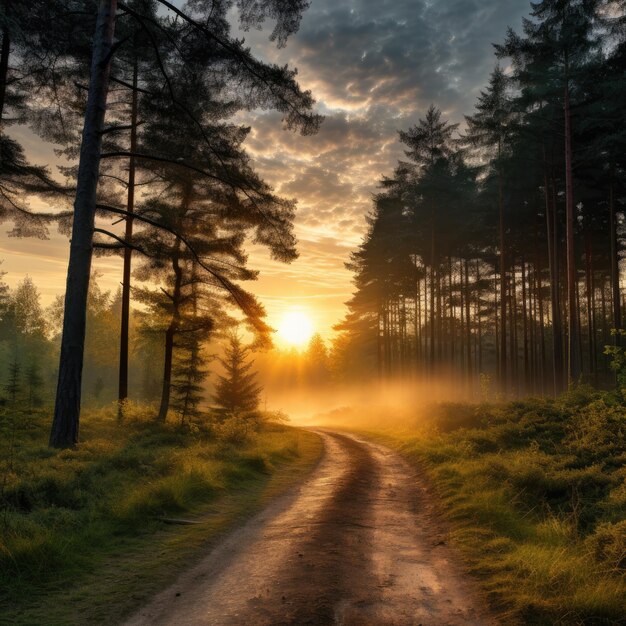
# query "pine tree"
(21, 59)
(237, 392)
(271, 86)
(13, 386)
(431, 146)
(489, 130)
(551, 63)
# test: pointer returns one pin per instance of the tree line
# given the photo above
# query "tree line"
(140, 97)
(495, 251)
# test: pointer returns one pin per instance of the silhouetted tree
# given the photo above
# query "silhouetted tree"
(272, 86)
(237, 392)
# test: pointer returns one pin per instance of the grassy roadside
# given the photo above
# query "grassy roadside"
(536, 495)
(82, 536)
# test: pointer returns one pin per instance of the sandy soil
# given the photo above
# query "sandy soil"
(357, 544)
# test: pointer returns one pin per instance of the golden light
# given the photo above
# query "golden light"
(295, 329)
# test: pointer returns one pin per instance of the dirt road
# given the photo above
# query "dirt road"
(357, 544)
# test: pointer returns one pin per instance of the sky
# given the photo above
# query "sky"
(374, 67)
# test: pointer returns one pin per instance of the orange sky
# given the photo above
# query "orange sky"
(374, 66)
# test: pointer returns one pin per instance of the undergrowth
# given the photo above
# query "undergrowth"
(536, 493)
(64, 513)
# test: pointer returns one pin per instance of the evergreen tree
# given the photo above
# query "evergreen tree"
(431, 147)
(489, 130)
(237, 392)
(552, 62)
(13, 386)
(271, 86)
(34, 381)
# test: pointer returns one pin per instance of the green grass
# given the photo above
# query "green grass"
(82, 536)
(535, 492)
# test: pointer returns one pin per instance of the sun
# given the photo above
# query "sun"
(295, 329)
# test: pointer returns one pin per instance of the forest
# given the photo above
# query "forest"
(494, 251)
(450, 449)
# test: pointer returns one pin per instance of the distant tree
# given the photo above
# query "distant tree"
(25, 306)
(316, 361)
(13, 386)
(238, 392)
(34, 382)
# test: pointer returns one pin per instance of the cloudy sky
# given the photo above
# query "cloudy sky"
(374, 66)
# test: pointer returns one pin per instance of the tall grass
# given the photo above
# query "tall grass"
(65, 513)
(535, 491)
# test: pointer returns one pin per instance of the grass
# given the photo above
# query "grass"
(535, 492)
(82, 532)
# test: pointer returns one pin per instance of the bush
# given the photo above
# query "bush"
(608, 545)
(536, 492)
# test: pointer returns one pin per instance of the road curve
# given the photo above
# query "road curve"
(357, 544)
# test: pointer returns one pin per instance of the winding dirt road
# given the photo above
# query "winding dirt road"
(356, 544)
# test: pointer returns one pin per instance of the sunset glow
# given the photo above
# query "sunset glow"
(295, 329)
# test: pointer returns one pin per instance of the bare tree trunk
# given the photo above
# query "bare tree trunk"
(4, 70)
(470, 373)
(589, 294)
(513, 346)
(433, 254)
(496, 326)
(503, 357)
(525, 329)
(553, 258)
(574, 369)
(170, 334)
(479, 320)
(128, 236)
(617, 312)
(64, 432)
(605, 329)
(379, 345)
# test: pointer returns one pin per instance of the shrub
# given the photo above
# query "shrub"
(608, 545)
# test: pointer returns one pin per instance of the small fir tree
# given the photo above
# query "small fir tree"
(13, 385)
(238, 391)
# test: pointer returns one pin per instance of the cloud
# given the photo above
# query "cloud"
(374, 67)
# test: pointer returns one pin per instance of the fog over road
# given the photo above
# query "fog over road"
(357, 544)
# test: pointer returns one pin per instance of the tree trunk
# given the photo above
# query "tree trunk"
(525, 330)
(542, 332)
(605, 329)
(128, 237)
(496, 326)
(170, 333)
(589, 294)
(479, 320)
(503, 357)
(617, 312)
(433, 254)
(513, 346)
(4, 71)
(65, 425)
(468, 329)
(553, 260)
(574, 369)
